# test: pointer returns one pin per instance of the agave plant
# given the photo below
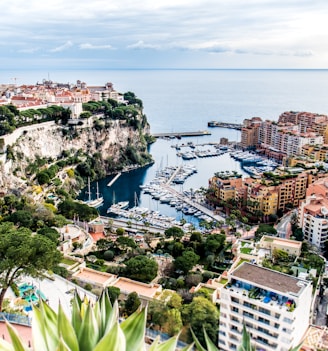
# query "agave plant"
(246, 343)
(91, 328)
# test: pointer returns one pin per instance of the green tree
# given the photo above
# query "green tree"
(22, 253)
(132, 303)
(264, 229)
(175, 232)
(113, 293)
(185, 262)
(22, 218)
(199, 314)
(141, 268)
(50, 233)
(109, 255)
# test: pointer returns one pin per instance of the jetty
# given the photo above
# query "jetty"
(181, 134)
(114, 179)
(237, 126)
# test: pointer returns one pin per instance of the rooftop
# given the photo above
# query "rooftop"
(267, 278)
(127, 286)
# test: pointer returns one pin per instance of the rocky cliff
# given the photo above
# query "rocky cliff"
(109, 139)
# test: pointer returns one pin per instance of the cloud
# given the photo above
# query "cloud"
(63, 47)
(29, 50)
(88, 46)
(142, 45)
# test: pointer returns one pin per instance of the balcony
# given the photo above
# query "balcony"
(263, 298)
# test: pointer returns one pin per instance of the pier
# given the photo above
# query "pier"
(237, 126)
(114, 179)
(181, 134)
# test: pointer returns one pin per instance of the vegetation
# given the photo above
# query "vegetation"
(91, 328)
(22, 253)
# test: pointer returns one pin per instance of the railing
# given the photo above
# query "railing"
(15, 318)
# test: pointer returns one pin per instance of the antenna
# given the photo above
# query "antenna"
(14, 79)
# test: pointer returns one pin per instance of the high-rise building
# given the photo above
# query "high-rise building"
(274, 307)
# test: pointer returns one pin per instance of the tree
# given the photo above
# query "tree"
(22, 253)
(185, 262)
(108, 255)
(264, 229)
(141, 268)
(21, 218)
(113, 293)
(132, 303)
(175, 232)
(199, 314)
(50, 233)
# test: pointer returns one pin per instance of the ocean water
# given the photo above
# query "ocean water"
(185, 100)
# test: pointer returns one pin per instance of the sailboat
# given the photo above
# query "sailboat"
(98, 201)
(122, 205)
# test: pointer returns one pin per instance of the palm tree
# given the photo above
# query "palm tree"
(91, 328)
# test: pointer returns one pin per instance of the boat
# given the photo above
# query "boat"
(98, 201)
(122, 205)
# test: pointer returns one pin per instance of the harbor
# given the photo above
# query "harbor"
(129, 187)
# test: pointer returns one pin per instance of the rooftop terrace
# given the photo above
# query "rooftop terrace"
(269, 279)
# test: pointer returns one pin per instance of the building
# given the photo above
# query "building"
(313, 213)
(250, 132)
(225, 184)
(275, 308)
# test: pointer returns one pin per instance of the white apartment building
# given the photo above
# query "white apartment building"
(275, 308)
(313, 219)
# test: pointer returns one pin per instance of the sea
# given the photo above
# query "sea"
(186, 100)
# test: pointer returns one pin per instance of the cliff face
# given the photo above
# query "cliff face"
(48, 140)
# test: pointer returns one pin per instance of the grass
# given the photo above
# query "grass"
(241, 261)
(67, 261)
(246, 250)
(223, 281)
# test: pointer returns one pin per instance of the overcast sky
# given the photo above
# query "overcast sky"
(108, 34)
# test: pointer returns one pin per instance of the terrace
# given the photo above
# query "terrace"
(279, 302)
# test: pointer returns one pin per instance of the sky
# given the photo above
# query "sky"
(129, 34)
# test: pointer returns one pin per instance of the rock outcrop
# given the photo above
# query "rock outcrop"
(50, 140)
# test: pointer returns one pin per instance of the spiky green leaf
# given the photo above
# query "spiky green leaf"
(62, 346)
(197, 343)
(66, 331)
(209, 343)
(15, 339)
(38, 331)
(76, 313)
(114, 340)
(50, 324)
(106, 314)
(169, 345)
(88, 334)
(188, 347)
(134, 330)
(111, 317)
(5, 346)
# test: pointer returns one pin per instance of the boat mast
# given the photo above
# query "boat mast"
(97, 191)
(89, 189)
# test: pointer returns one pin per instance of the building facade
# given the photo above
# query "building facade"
(275, 308)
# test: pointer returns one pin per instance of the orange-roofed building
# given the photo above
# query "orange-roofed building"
(313, 213)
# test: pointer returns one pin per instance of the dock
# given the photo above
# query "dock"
(181, 134)
(237, 126)
(114, 179)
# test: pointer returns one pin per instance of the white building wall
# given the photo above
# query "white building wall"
(280, 328)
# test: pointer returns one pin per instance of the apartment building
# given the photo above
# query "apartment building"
(304, 120)
(225, 185)
(292, 190)
(250, 132)
(313, 213)
(275, 308)
(262, 197)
